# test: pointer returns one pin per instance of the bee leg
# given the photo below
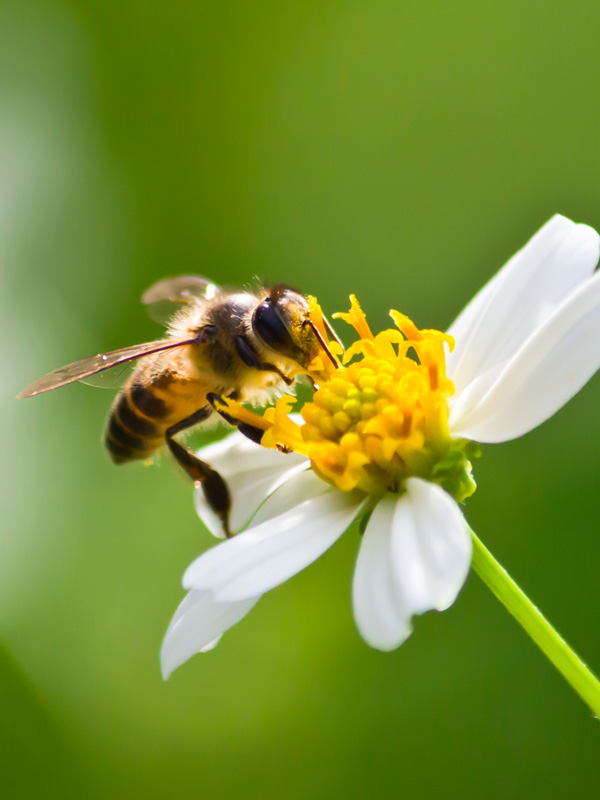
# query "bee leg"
(213, 485)
(252, 432)
(246, 352)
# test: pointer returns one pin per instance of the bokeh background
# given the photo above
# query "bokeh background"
(399, 150)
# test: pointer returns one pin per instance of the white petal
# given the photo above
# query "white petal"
(197, 626)
(210, 646)
(433, 546)
(549, 369)
(302, 485)
(252, 473)
(414, 557)
(520, 297)
(379, 611)
(266, 555)
(236, 452)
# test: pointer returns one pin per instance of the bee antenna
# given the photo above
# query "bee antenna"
(332, 333)
(322, 342)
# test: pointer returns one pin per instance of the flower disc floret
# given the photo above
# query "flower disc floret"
(380, 415)
(383, 417)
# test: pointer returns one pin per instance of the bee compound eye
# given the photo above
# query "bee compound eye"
(271, 329)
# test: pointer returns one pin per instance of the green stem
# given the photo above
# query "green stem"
(566, 661)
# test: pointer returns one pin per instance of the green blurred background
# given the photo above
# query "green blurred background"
(399, 150)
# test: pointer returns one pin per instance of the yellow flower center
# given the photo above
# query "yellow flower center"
(384, 417)
(380, 415)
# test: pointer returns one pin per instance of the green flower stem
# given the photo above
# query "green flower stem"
(566, 661)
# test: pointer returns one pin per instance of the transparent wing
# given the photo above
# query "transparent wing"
(80, 370)
(166, 297)
(113, 378)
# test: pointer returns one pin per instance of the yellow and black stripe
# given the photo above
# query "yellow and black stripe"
(144, 412)
(135, 426)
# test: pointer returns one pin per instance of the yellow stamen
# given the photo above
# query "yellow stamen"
(356, 318)
(325, 364)
(316, 315)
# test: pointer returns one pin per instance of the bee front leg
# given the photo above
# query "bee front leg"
(247, 354)
(213, 485)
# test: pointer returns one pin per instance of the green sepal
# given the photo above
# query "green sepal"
(454, 471)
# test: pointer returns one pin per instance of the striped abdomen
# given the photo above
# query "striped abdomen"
(143, 412)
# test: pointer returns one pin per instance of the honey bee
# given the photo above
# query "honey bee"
(220, 344)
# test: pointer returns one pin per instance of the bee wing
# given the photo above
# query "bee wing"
(113, 378)
(166, 297)
(79, 370)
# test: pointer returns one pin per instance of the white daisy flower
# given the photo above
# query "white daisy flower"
(388, 439)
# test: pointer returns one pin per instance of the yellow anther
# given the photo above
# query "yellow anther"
(339, 387)
(368, 410)
(331, 402)
(370, 394)
(342, 421)
(367, 381)
(350, 441)
(352, 408)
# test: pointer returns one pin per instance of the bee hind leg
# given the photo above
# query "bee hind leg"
(213, 485)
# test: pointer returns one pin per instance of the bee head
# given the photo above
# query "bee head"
(279, 322)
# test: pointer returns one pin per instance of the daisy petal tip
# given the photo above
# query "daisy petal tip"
(168, 659)
(197, 626)
(171, 659)
(210, 646)
(383, 643)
